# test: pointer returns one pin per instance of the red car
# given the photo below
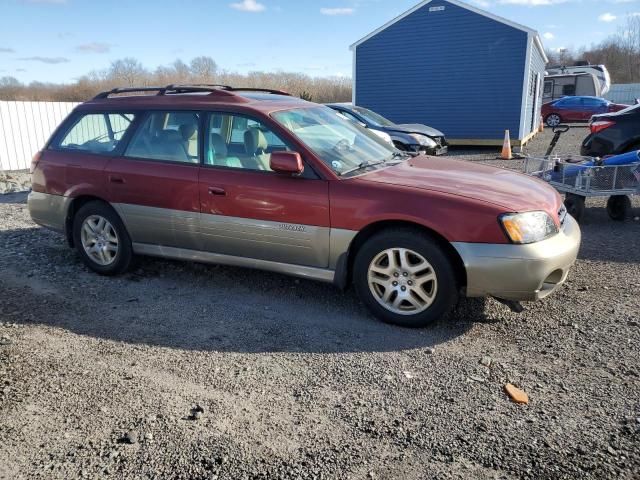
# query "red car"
(576, 109)
(268, 181)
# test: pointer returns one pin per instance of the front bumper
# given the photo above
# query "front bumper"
(520, 272)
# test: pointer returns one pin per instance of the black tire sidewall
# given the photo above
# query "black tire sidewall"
(618, 207)
(575, 206)
(125, 251)
(447, 295)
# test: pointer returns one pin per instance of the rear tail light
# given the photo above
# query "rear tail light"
(600, 125)
(34, 162)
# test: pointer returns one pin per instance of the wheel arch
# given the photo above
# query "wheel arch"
(344, 272)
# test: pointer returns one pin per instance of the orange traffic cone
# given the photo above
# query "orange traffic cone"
(506, 147)
(541, 128)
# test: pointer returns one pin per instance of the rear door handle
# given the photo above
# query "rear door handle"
(114, 179)
(216, 191)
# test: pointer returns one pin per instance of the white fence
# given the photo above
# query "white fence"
(624, 93)
(24, 129)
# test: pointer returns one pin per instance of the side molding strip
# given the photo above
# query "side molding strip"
(312, 273)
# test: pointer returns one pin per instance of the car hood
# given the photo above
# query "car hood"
(416, 128)
(512, 191)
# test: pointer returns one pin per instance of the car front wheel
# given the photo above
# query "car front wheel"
(101, 239)
(553, 120)
(405, 278)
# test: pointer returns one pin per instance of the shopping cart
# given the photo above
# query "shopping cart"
(616, 177)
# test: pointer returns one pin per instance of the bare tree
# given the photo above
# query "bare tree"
(203, 69)
(130, 72)
(127, 71)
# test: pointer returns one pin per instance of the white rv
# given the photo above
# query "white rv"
(598, 71)
(582, 84)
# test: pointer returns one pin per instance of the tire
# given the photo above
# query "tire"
(102, 239)
(553, 120)
(422, 260)
(575, 206)
(618, 207)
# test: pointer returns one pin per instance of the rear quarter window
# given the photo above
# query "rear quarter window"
(95, 132)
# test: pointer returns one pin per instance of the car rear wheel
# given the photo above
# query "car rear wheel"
(101, 239)
(553, 120)
(405, 278)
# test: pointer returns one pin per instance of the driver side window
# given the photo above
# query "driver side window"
(236, 141)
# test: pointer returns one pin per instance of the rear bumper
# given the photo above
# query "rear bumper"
(48, 210)
(520, 272)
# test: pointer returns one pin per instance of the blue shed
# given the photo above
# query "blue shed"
(455, 67)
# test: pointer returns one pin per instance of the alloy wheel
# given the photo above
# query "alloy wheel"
(402, 281)
(553, 120)
(99, 240)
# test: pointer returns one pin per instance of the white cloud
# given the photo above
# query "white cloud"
(94, 47)
(49, 60)
(481, 3)
(607, 17)
(548, 36)
(248, 6)
(337, 11)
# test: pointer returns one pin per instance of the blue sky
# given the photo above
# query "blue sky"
(59, 40)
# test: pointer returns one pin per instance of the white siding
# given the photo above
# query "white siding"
(24, 129)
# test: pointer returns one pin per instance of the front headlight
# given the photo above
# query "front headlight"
(528, 227)
(424, 140)
(383, 135)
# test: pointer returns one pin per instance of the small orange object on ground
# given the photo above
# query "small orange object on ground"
(517, 395)
(506, 147)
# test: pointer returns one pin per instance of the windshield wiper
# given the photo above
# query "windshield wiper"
(362, 165)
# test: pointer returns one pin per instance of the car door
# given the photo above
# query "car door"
(247, 210)
(571, 109)
(154, 184)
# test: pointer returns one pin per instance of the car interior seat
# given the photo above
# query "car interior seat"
(189, 133)
(255, 144)
(217, 154)
(168, 144)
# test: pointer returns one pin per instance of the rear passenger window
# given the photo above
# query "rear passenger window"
(167, 136)
(97, 132)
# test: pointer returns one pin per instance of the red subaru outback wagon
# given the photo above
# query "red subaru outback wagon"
(260, 179)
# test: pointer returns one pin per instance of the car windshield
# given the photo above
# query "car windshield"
(373, 117)
(343, 145)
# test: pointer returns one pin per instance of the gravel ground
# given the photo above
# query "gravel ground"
(181, 370)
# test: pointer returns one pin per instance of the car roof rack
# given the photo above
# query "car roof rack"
(187, 88)
(115, 91)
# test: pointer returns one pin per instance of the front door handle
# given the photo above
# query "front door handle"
(216, 191)
(115, 179)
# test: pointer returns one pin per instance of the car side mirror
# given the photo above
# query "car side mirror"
(288, 163)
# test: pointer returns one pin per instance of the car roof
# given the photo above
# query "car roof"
(582, 96)
(200, 97)
(340, 104)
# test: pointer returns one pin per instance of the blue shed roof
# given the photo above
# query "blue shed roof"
(497, 18)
